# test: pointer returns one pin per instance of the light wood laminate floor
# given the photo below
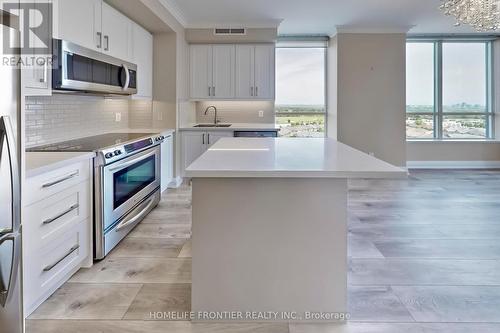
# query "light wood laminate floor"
(424, 256)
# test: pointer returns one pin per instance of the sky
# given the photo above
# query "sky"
(300, 76)
(464, 73)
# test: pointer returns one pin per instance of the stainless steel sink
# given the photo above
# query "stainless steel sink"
(212, 125)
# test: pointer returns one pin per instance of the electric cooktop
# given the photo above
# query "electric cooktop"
(91, 144)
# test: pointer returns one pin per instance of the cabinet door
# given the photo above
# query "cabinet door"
(200, 67)
(223, 71)
(213, 137)
(143, 57)
(193, 144)
(264, 71)
(115, 33)
(167, 161)
(79, 21)
(245, 71)
(37, 77)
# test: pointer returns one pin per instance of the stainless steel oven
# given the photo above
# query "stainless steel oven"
(76, 68)
(126, 190)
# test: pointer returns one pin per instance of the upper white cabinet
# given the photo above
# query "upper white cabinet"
(143, 58)
(264, 67)
(245, 73)
(228, 72)
(223, 71)
(79, 21)
(37, 78)
(97, 26)
(212, 71)
(116, 30)
(255, 66)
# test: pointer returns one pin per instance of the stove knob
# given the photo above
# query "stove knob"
(109, 155)
(161, 137)
(118, 152)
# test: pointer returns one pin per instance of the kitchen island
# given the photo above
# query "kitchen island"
(270, 228)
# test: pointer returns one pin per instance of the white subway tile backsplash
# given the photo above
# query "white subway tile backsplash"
(236, 111)
(65, 117)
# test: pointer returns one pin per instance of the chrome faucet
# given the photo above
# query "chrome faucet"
(215, 109)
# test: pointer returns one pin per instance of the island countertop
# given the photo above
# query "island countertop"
(288, 158)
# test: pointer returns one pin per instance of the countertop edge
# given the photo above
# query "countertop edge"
(64, 161)
(298, 174)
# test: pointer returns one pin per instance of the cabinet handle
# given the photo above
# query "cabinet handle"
(106, 39)
(45, 73)
(251, 91)
(208, 135)
(58, 216)
(203, 138)
(209, 91)
(213, 91)
(256, 91)
(73, 249)
(47, 185)
(99, 35)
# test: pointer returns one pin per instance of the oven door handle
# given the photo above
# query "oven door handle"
(128, 221)
(131, 162)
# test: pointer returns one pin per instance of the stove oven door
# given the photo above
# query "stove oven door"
(127, 183)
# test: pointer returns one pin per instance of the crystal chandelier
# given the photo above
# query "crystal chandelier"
(482, 15)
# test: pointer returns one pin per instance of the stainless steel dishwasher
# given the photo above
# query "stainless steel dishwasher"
(256, 134)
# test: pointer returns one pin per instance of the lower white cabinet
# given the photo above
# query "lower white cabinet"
(57, 224)
(195, 143)
(167, 161)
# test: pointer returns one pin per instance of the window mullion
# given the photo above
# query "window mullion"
(438, 90)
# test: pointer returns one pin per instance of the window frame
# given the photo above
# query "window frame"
(438, 114)
(308, 43)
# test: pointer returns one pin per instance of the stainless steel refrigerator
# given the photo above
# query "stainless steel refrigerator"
(11, 317)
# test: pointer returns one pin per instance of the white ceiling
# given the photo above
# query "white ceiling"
(317, 16)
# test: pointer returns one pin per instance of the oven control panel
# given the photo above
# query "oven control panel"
(114, 154)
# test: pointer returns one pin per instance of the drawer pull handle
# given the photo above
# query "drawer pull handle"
(73, 175)
(73, 249)
(58, 216)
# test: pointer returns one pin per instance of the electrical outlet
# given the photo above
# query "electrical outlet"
(118, 117)
(160, 115)
(261, 114)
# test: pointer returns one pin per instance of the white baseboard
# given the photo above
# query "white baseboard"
(175, 183)
(453, 164)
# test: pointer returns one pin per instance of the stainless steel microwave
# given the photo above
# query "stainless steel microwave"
(76, 68)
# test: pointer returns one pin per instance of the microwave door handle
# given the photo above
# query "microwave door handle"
(7, 133)
(7, 286)
(127, 77)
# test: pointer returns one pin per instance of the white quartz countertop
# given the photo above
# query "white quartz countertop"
(233, 127)
(40, 162)
(288, 158)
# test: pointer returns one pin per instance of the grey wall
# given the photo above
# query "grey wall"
(371, 94)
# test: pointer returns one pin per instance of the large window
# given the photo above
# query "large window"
(300, 91)
(448, 90)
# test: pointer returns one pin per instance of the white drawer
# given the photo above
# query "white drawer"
(47, 269)
(47, 184)
(49, 219)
